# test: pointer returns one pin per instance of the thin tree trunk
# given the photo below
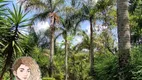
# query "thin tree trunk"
(91, 49)
(52, 44)
(123, 37)
(66, 57)
(51, 51)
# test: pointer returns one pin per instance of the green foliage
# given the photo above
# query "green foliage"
(136, 63)
(6, 76)
(79, 67)
(135, 11)
(106, 65)
(41, 59)
(59, 76)
(137, 73)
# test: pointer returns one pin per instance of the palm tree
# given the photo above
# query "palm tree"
(48, 9)
(69, 26)
(123, 36)
(14, 19)
(89, 12)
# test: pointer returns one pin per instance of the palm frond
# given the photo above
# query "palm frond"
(18, 48)
(41, 16)
(84, 44)
(57, 36)
(6, 49)
(2, 44)
(57, 3)
(15, 13)
(24, 20)
(25, 14)
(17, 16)
(12, 16)
(36, 5)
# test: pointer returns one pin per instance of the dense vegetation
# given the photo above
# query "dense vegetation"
(102, 54)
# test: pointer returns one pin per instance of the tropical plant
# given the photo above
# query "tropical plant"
(14, 19)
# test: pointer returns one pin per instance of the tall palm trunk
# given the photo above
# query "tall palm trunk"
(123, 36)
(66, 57)
(52, 46)
(91, 49)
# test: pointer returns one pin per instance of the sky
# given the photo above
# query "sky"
(44, 25)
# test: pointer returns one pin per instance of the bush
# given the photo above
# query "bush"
(106, 67)
(79, 67)
(136, 63)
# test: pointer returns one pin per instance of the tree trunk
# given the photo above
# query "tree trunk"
(52, 26)
(66, 57)
(51, 51)
(123, 37)
(91, 49)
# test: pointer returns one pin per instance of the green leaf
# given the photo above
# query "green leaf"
(2, 44)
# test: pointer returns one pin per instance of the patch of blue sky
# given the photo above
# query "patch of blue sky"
(114, 32)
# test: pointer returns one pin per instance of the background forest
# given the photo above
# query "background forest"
(100, 55)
